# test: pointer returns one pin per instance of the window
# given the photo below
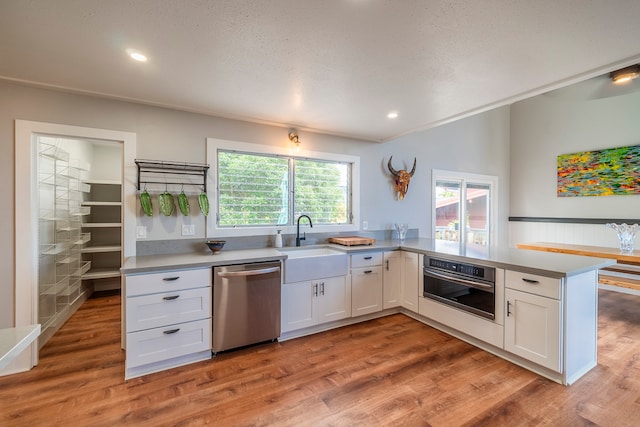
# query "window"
(262, 187)
(464, 210)
(252, 189)
(321, 190)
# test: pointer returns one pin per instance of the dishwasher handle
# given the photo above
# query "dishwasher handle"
(248, 272)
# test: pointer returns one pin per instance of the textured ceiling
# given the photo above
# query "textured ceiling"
(334, 66)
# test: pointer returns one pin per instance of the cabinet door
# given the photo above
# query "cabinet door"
(298, 305)
(366, 290)
(391, 279)
(334, 299)
(410, 281)
(532, 328)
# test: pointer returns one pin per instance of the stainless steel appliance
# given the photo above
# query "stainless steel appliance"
(246, 304)
(468, 287)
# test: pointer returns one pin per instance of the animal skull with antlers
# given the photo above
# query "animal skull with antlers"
(402, 178)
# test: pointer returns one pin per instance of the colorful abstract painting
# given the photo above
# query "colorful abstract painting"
(609, 172)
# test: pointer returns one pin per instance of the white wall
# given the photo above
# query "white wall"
(106, 161)
(478, 144)
(544, 127)
(161, 134)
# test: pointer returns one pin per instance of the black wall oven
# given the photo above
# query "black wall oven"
(465, 286)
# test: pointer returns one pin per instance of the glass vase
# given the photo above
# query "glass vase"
(401, 230)
(626, 235)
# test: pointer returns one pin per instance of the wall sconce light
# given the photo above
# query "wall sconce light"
(626, 74)
(293, 137)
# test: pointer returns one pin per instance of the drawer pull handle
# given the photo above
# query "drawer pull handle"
(171, 298)
(171, 279)
(368, 271)
(368, 257)
(171, 331)
(533, 282)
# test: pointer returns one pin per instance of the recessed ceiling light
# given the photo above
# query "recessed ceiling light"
(392, 115)
(134, 54)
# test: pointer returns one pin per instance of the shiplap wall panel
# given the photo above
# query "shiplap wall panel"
(578, 234)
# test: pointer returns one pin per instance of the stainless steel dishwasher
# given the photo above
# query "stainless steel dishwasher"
(246, 304)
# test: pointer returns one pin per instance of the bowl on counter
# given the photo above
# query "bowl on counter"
(216, 245)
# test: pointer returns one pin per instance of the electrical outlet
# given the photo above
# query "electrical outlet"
(141, 232)
(365, 225)
(188, 229)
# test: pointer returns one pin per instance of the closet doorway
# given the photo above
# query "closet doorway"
(77, 225)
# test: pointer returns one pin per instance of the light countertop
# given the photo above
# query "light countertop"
(148, 263)
(528, 261)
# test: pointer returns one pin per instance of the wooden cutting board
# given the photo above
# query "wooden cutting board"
(352, 240)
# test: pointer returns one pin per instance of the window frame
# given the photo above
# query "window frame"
(214, 145)
(464, 178)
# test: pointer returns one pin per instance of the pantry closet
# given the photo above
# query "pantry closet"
(75, 212)
(79, 225)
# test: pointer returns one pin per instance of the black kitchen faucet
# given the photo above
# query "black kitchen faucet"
(304, 235)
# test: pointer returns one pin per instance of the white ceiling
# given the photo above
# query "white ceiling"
(332, 66)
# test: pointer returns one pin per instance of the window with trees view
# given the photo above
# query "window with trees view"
(261, 189)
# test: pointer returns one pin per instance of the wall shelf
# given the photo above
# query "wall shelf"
(101, 224)
(104, 251)
(101, 249)
(155, 171)
(87, 203)
(101, 273)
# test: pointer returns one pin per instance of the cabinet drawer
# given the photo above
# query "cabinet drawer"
(166, 281)
(366, 259)
(375, 271)
(166, 308)
(160, 344)
(534, 284)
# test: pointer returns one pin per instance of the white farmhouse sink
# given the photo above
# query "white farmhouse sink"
(303, 264)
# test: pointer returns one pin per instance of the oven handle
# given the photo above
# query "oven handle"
(458, 280)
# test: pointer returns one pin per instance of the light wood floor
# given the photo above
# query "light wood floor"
(390, 371)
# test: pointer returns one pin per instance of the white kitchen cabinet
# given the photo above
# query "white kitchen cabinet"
(411, 280)
(334, 299)
(392, 279)
(366, 283)
(165, 308)
(532, 328)
(167, 319)
(311, 303)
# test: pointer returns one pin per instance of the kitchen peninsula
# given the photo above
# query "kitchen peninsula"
(532, 289)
